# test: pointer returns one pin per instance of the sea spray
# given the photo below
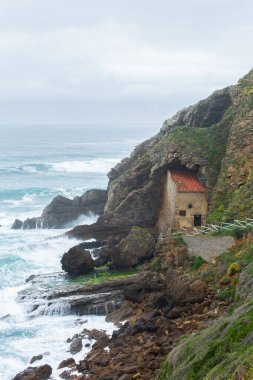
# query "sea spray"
(33, 170)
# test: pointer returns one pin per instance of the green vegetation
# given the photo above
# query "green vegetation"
(179, 242)
(166, 370)
(207, 143)
(234, 203)
(197, 262)
(100, 276)
(226, 294)
(233, 269)
(225, 348)
(155, 265)
(233, 197)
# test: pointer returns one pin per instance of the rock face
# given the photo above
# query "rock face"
(233, 197)
(195, 138)
(203, 114)
(77, 261)
(136, 185)
(134, 249)
(35, 373)
(62, 210)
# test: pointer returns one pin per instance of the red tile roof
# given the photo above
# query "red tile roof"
(187, 181)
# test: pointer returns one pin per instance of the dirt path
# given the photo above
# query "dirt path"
(208, 246)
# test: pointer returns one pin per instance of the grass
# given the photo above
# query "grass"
(226, 346)
(226, 294)
(197, 263)
(216, 352)
(165, 371)
(100, 276)
(155, 265)
(222, 347)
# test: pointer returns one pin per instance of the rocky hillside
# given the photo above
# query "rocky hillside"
(223, 349)
(214, 137)
(189, 314)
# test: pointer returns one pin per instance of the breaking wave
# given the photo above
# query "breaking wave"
(98, 165)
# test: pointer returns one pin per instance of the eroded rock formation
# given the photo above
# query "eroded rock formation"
(62, 210)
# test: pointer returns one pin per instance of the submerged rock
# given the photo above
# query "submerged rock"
(35, 373)
(77, 261)
(76, 346)
(35, 358)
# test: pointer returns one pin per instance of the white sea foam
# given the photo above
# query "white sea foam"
(47, 336)
(25, 199)
(82, 219)
(98, 165)
(33, 170)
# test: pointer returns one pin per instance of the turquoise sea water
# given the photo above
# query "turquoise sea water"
(36, 164)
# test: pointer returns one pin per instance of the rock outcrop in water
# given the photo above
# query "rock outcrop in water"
(62, 210)
(35, 373)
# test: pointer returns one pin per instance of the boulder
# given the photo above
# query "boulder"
(17, 225)
(35, 373)
(70, 362)
(134, 249)
(77, 261)
(182, 290)
(76, 346)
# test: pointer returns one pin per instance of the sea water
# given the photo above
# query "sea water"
(36, 164)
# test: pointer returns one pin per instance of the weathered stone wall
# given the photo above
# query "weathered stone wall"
(199, 206)
(173, 202)
(167, 215)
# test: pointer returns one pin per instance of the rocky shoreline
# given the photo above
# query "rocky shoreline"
(173, 293)
(152, 310)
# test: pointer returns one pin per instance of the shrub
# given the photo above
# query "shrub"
(233, 269)
(237, 233)
(197, 262)
(155, 265)
(225, 294)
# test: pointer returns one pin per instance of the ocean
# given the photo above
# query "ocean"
(36, 164)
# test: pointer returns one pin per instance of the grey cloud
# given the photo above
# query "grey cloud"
(83, 61)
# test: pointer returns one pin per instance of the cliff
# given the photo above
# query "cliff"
(214, 137)
(189, 314)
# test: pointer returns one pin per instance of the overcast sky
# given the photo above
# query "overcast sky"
(115, 61)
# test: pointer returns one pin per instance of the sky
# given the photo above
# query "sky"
(117, 61)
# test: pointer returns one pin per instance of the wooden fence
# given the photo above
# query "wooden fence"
(210, 228)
